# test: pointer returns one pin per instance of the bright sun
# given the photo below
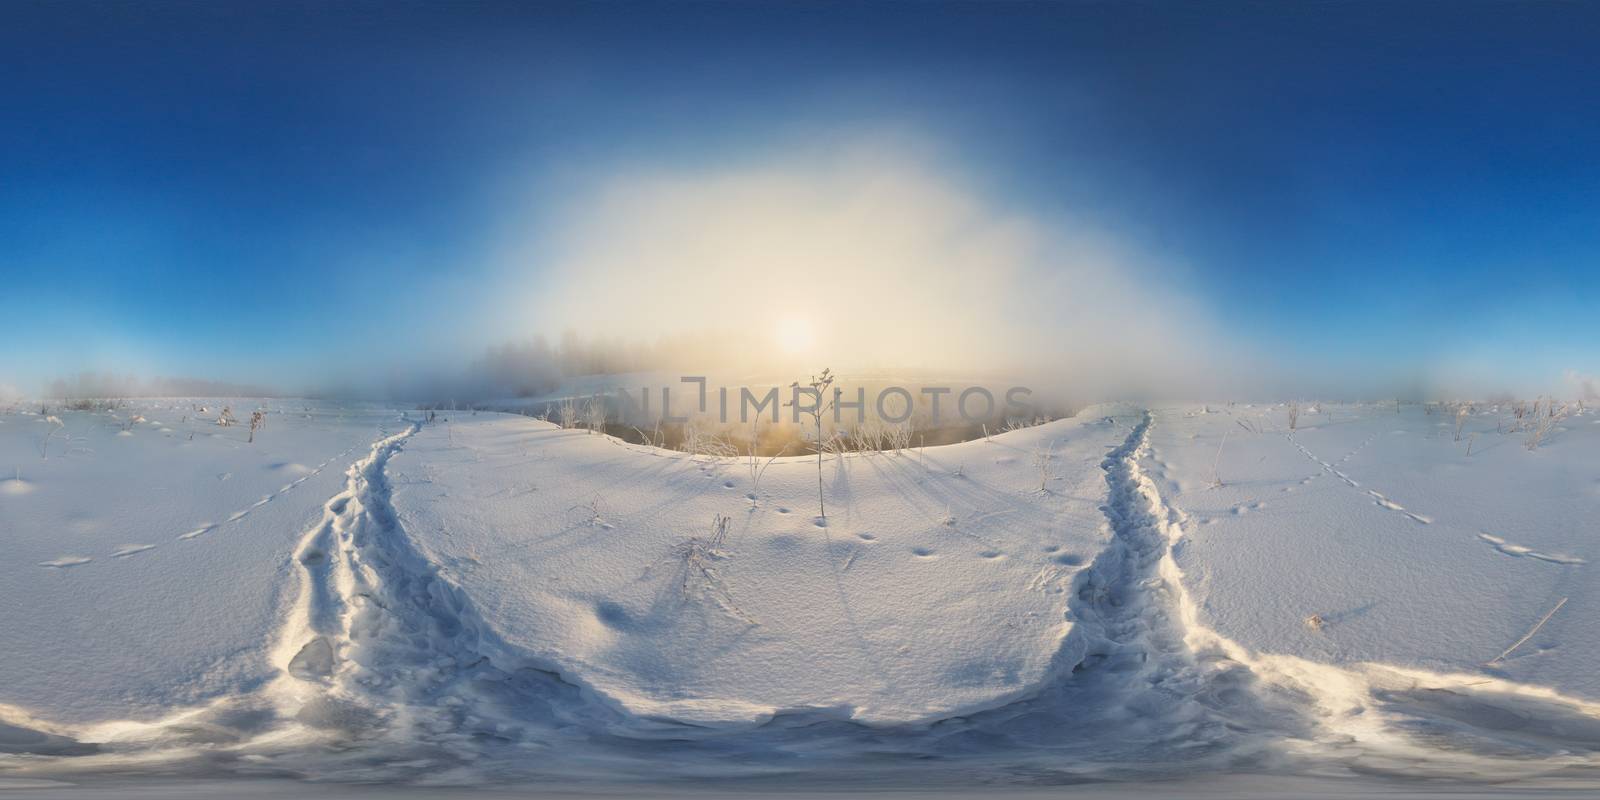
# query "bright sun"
(793, 335)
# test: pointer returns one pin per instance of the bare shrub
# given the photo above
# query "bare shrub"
(1539, 429)
(567, 413)
(701, 442)
(899, 436)
(594, 414)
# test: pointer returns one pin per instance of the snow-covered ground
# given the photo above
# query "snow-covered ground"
(490, 599)
(146, 548)
(1409, 551)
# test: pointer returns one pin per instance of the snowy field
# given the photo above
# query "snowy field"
(146, 548)
(364, 595)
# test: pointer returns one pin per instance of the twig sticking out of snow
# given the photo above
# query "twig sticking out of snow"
(818, 388)
(1042, 458)
(1216, 477)
(55, 424)
(757, 467)
(1528, 635)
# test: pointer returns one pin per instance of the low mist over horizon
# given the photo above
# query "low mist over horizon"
(426, 203)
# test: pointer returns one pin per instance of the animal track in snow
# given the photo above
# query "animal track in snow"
(200, 531)
(1359, 448)
(1377, 497)
(1518, 551)
(265, 499)
(1385, 502)
(66, 562)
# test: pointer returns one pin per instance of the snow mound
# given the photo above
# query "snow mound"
(936, 586)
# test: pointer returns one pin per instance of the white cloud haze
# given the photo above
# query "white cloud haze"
(866, 260)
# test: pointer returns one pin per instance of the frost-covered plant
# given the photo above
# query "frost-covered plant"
(1294, 414)
(757, 467)
(701, 442)
(1044, 462)
(837, 444)
(1539, 428)
(868, 437)
(567, 413)
(1216, 475)
(899, 436)
(257, 419)
(594, 414)
(818, 386)
(700, 556)
(1461, 419)
(54, 424)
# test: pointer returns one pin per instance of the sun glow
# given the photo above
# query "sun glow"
(794, 335)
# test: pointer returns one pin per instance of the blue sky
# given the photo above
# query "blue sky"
(265, 193)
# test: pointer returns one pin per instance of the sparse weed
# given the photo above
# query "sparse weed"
(1044, 462)
(54, 425)
(699, 556)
